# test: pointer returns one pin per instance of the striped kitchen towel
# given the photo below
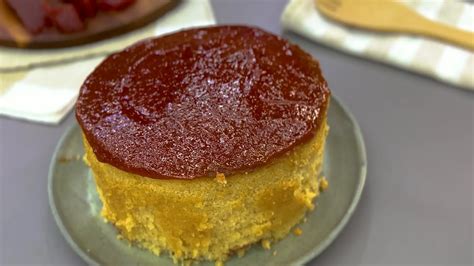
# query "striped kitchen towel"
(42, 85)
(415, 53)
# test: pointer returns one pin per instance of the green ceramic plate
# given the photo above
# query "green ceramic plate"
(75, 205)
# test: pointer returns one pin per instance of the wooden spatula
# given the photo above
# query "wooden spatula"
(392, 16)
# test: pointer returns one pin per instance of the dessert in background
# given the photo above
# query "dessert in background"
(66, 16)
(46, 24)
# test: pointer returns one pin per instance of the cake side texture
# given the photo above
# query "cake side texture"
(210, 218)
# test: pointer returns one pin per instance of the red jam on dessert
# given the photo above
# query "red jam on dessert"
(220, 99)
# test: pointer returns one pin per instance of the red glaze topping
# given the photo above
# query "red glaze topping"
(201, 101)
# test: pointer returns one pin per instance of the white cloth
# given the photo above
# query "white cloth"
(46, 93)
(414, 53)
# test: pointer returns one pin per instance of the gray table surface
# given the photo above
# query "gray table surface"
(417, 207)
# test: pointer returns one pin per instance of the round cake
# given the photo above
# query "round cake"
(207, 140)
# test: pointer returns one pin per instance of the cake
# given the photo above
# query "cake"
(205, 141)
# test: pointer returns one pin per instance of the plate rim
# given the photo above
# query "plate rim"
(52, 203)
(357, 195)
(313, 253)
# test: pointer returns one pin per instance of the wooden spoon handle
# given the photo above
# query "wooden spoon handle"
(446, 33)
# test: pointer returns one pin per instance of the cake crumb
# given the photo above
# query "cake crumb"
(241, 252)
(220, 178)
(274, 253)
(323, 184)
(297, 231)
(266, 244)
(69, 158)
(119, 237)
(219, 263)
(305, 220)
